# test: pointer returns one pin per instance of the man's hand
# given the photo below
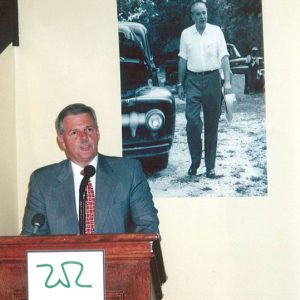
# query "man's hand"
(227, 88)
(181, 93)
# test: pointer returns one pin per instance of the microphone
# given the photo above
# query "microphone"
(88, 172)
(37, 221)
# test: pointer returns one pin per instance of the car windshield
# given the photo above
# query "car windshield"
(233, 52)
(134, 74)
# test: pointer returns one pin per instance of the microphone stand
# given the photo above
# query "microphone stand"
(82, 200)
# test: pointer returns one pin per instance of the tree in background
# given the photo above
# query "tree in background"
(241, 21)
(245, 28)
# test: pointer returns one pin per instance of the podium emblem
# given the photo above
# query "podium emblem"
(65, 275)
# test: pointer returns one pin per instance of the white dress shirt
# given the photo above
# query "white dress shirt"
(78, 177)
(203, 52)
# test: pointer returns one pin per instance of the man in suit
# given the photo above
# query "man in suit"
(123, 201)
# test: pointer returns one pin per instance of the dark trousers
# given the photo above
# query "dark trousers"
(252, 75)
(203, 91)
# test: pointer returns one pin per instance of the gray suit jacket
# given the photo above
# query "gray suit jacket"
(123, 199)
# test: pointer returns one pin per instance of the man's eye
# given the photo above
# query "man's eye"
(90, 129)
(73, 133)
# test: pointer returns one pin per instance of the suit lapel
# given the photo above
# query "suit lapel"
(106, 183)
(67, 197)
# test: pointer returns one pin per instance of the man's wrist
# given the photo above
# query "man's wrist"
(227, 83)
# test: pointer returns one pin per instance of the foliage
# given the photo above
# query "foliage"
(240, 20)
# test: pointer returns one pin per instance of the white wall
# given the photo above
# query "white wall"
(214, 248)
(66, 55)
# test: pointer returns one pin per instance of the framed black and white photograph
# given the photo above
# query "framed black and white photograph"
(153, 115)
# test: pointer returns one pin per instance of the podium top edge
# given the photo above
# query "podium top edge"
(94, 238)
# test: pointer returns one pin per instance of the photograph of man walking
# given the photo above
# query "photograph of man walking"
(202, 53)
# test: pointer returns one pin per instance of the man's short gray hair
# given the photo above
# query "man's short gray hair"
(195, 2)
(74, 109)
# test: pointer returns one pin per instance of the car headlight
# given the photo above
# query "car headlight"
(155, 119)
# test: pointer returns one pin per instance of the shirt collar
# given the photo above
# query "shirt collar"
(194, 29)
(77, 169)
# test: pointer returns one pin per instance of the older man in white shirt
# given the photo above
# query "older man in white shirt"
(203, 54)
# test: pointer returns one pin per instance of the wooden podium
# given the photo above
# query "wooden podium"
(134, 268)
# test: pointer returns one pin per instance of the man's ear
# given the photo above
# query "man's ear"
(61, 142)
(192, 17)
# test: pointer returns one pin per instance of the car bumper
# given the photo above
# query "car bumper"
(146, 150)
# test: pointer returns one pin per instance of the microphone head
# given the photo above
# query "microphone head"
(89, 171)
(38, 220)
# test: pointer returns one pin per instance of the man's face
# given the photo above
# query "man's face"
(80, 138)
(199, 15)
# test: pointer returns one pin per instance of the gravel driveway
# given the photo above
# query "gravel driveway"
(241, 166)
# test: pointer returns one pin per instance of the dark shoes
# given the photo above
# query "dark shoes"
(193, 169)
(210, 173)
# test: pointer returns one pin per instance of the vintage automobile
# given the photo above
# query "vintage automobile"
(148, 110)
(237, 62)
(237, 65)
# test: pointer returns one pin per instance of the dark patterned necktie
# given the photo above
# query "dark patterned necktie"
(89, 209)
